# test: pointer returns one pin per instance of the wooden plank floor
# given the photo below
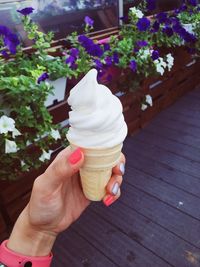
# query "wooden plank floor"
(156, 222)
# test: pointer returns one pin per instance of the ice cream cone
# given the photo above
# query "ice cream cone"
(97, 170)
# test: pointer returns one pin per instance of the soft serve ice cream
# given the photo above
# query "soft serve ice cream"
(96, 118)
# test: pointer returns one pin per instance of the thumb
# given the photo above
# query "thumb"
(67, 163)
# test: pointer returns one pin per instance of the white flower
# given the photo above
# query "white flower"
(160, 65)
(6, 124)
(149, 100)
(45, 155)
(144, 53)
(55, 134)
(170, 61)
(144, 107)
(137, 12)
(15, 133)
(11, 147)
(28, 143)
(22, 163)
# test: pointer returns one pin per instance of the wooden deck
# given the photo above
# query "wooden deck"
(156, 222)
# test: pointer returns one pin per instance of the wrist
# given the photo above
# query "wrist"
(28, 240)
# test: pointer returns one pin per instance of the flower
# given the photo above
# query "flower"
(74, 52)
(155, 26)
(15, 133)
(192, 2)
(151, 5)
(4, 30)
(170, 61)
(108, 61)
(160, 65)
(91, 48)
(6, 124)
(70, 60)
(11, 41)
(144, 107)
(45, 155)
(106, 47)
(55, 134)
(22, 163)
(42, 77)
(142, 43)
(162, 17)
(115, 58)
(168, 31)
(144, 53)
(26, 11)
(155, 55)
(138, 13)
(4, 54)
(133, 65)
(143, 24)
(98, 64)
(89, 21)
(149, 100)
(10, 147)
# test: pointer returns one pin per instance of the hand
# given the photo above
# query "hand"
(57, 200)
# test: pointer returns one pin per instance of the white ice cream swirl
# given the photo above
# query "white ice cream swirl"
(96, 118)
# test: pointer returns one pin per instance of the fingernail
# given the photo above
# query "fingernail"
(122, 168)
(115, 189)
(75, 157)
(109, 200)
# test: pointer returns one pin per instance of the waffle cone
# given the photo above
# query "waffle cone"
(97, 170)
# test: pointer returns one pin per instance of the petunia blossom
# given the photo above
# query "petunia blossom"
(6, 124)
(10, 147)
(143, 24)
(26, 11)
(45, 155)
(89, 21)
(55, 134)
(42, 77)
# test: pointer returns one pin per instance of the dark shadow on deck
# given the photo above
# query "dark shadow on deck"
(156, 222)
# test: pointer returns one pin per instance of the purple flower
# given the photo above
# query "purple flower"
(89, 21)
(70, 60)
(155, 55)
(141, 43)
(143, 24)
(155, 26)
(74, 52)
(115, 58)
(162, 17)
(11, 41)
(4, 54)
(106, 47)
(168, 31)
(108, 61)
(98, 64)
(192, 2)
(91, 48)
(26, 11)
(151, 5)
(133, 65)
(4, 30)
(43, 77)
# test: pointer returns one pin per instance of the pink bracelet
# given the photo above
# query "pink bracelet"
(13, 259)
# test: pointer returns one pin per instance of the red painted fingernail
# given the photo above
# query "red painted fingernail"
(75, 157)
(109, 200)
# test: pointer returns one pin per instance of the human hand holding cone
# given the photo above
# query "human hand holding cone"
(98, 128)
